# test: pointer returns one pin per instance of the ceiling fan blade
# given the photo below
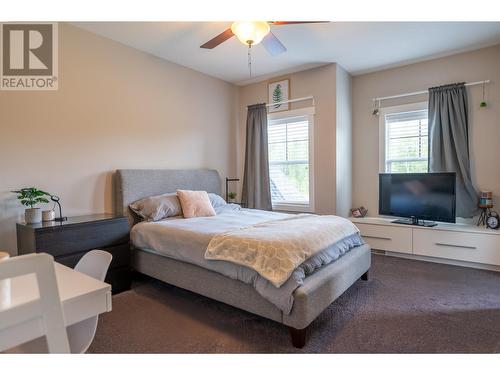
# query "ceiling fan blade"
(281, 23)
(214, 42)
(272, 44)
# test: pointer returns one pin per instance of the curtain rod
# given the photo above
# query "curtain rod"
(293, 101)
(425, 91)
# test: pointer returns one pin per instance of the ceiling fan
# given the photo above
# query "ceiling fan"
(253, 32)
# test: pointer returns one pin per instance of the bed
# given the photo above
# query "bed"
(315, 293)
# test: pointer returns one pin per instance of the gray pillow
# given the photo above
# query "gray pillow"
(157, 207)
(216, 200)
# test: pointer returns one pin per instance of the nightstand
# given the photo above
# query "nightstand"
(69, 240)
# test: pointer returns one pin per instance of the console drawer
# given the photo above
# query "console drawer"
(465, 246)
(387, 237)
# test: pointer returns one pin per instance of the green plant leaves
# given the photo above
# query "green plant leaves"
(31, 196)
(26, 202)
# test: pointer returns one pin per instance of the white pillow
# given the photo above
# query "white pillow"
(157, 207)
(216, 200)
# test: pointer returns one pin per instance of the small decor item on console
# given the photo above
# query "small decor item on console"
(56, 200)
(49, 215)
(359, 212)
(486, 199)
(485, 204)
(493, 221)
(30, 197)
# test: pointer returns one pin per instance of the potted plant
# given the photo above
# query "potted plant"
(30, 197)
(231, 196)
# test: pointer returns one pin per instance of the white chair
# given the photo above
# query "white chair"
(23, 322)
(94, 264)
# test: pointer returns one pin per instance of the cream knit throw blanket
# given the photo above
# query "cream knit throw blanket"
(275, 248)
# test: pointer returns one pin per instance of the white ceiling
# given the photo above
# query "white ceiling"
(359, 47)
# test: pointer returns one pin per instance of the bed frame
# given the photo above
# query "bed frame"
(319, 290)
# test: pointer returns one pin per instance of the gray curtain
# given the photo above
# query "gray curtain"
(256, 190)
(449, 142)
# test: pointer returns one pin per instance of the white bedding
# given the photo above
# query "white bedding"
(188, 239)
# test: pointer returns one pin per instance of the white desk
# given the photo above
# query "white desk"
(82, 297)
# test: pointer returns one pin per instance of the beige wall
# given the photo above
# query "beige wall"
(484, 123)
(320, 83)
(116, 107)
(343, 179)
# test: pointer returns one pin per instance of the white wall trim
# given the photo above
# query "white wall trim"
(300, 112)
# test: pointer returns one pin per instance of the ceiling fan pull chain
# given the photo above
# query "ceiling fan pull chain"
(250, 58)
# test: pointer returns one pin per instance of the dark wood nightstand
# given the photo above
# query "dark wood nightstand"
(69, 240)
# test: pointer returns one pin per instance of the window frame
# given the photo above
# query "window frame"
(412, 107)
(285, 116)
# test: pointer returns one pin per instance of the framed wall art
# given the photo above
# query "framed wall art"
(279, 91)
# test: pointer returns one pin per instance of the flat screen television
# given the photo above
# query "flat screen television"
(418, 196)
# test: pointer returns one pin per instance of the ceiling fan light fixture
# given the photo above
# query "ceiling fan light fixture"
(250, 32)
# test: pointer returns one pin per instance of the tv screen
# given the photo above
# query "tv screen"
(425, 196)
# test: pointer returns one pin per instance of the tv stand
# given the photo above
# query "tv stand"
(458, 244)
(415, 221)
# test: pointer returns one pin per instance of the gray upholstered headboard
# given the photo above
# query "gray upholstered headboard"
(134, 184)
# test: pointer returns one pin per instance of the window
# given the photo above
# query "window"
(406, 140)
(290, 167)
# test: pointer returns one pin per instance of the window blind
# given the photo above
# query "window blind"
(407, 136)
(289, 160)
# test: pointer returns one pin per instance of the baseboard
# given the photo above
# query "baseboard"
(424, 258)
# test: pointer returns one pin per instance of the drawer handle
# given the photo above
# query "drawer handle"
(460, 246)
(378, 238)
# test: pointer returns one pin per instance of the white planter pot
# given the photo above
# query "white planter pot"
(33, 215)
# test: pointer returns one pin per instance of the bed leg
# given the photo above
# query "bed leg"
(365, 275)
(298, 337)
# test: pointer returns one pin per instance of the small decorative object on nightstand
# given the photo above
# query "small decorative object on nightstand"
(48, 215)
(67, 241)
(56, 200)
(30, 197)
(231, 196)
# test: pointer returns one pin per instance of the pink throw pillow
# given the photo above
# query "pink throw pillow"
(195, 203)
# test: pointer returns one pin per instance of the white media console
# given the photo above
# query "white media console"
(457, 244)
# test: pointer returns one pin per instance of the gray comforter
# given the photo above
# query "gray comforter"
(187, 240)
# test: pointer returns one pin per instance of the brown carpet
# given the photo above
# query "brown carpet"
(407, 306)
